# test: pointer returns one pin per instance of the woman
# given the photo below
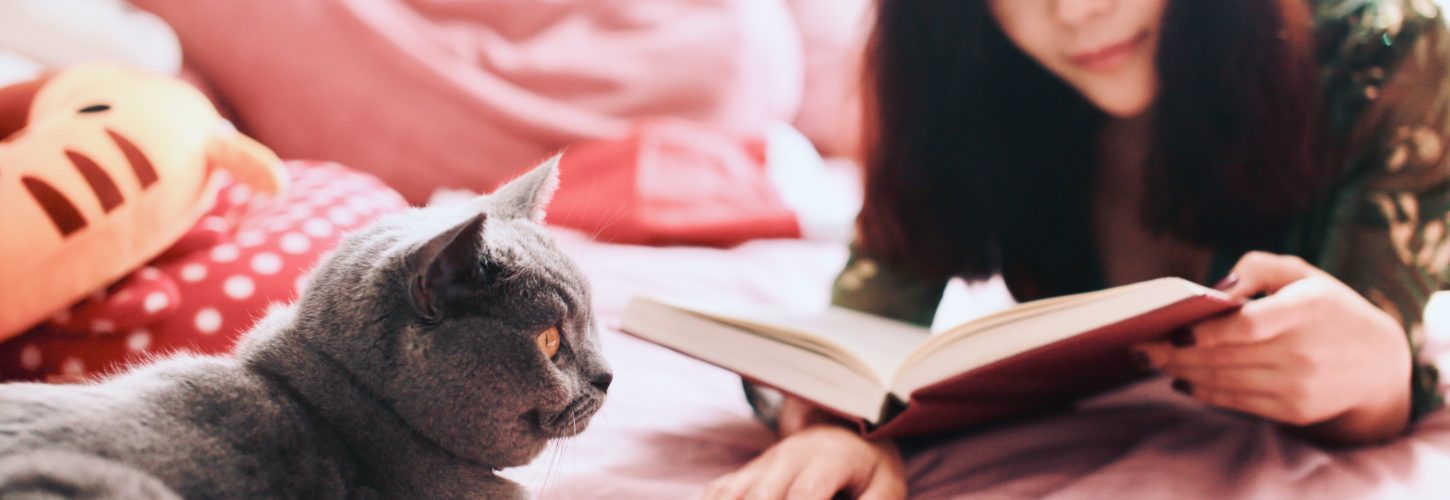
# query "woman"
(1293, 148)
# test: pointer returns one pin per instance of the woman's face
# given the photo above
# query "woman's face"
(1103, 48)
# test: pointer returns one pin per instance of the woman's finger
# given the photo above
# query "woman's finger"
(1266, 273)
(725, 487)
(1255, 404)
(735, 485)
(1258, 321)
(819, 479)
(1163, 354)
(885, 484)
(1240, 327)
(774, 478)
(1254, 379)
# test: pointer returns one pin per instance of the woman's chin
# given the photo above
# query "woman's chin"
(1123, 107)
(1121, 97)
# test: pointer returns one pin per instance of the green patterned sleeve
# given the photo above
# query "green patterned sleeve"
(870, 286)
(1386, 230)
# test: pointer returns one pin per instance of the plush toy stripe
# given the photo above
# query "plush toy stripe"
(101, 184)
(145, 173)
(62, 213)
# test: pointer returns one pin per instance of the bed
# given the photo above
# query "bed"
(672, 424)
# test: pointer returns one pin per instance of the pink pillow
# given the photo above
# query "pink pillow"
(834, 34)
(246, 254)
(672, 182)
(441, 93)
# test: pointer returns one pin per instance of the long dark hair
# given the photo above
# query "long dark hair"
(978, 159)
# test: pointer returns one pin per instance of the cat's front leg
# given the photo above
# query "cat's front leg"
(52, 474)
(497, 487)
(450, 481)
(465, 486)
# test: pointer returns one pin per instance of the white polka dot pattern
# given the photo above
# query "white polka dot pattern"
(248, 239)
(266, 263)
(193, 272)
(239, 194)
(294, 243)
(138, 341)
(317, 228)
(239, 287)
(208, 320)
(225, 253)
(155, 302)
(215, 224)
(73, 366)
(31, 358)
(341, 216)
(299, 212)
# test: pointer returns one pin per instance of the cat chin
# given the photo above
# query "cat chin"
(521, 455)
(567, 423)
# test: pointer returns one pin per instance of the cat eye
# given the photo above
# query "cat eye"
(548, 341)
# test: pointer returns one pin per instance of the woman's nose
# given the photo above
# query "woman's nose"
(1076, 12)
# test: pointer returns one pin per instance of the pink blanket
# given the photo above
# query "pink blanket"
(672, 424)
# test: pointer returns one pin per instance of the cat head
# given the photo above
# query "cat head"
(467, 322)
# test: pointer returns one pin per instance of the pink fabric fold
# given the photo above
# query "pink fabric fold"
(439, 93)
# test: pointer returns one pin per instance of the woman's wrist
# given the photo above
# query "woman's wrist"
(797, 414)
(1386, 407)
(1370, 422)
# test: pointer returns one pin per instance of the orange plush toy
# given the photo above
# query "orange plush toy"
(101, 169)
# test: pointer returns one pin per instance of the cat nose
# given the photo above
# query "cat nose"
(602, 381)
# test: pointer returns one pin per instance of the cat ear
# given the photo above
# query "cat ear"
(527, 195)
(447, 259)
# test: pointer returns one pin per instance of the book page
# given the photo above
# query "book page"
(1040, 307)
(881, 345)
(757, 355)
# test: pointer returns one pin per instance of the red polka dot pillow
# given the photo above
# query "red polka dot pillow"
(245, 255)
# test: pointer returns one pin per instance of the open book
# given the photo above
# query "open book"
(897, 379)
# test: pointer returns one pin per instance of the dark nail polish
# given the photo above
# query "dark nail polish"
(1227, 282)
(1141, 360)
(1182, 337)
(1183, 386)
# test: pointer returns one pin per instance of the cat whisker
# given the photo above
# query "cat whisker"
(556, 451)
(570, 442)
(618, 215)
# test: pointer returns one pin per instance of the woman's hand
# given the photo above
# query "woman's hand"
(1311, 353)
(817, 458)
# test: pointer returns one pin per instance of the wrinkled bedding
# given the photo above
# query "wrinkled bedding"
(672, 424)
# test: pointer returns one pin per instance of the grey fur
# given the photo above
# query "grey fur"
(408, 368)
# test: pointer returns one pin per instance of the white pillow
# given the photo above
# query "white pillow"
(58, 33)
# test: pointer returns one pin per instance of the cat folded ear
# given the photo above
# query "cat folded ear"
(445, 261)
(527, 195)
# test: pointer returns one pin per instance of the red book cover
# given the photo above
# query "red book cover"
(1047, 377)
(1051, 376)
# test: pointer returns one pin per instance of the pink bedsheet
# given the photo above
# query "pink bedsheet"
(672, 424)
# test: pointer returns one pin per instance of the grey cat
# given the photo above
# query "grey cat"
(430, 349)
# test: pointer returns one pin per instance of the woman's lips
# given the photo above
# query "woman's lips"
(1110, 57)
